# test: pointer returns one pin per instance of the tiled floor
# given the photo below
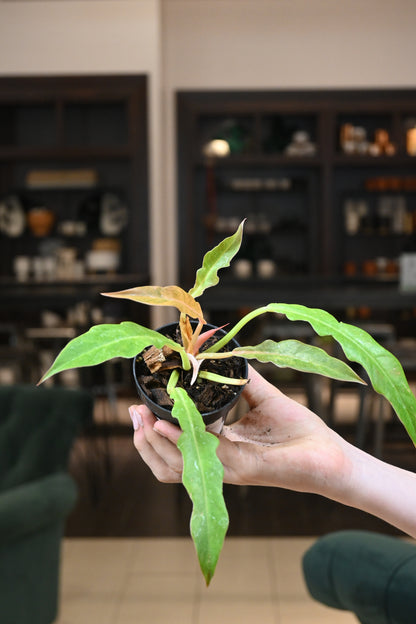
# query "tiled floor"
(155, 580)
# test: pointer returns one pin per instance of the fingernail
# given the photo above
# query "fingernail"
(136, 418)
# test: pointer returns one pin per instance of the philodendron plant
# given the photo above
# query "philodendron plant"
(202, 470)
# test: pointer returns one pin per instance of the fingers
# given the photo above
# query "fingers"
(156, 443)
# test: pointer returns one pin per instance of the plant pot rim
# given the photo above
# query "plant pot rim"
(208, 417)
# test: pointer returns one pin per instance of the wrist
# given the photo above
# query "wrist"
(337, 476)
(378, 488)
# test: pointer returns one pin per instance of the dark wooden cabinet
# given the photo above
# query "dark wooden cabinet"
(74, 150)
(326, 180)
(76, 147)
(74, 216)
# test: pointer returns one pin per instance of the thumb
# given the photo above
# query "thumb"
(257, 389)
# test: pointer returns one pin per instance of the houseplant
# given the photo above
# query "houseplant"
(203, 472)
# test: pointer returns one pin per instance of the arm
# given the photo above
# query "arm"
(380, 489)
(283, 444)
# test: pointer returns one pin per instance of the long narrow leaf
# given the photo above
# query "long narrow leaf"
(162, 296)
(299, 356)
(107, 341)
(203, 476)
(217, 258)
(383, 368)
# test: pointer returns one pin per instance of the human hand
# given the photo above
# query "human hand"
(277, 443)
(282, 443)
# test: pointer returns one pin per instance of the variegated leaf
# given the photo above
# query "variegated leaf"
(162, 296)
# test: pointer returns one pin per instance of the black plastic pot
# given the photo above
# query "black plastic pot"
(215, 419)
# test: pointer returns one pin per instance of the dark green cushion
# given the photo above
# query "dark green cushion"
(34, 506)
(37, 429)
(371, 575)
(32, 521)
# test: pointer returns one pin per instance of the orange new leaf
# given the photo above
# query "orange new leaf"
(163, 296)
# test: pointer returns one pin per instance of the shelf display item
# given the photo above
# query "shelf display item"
(411, 141)
(243, 269)
(382, 145)
(61, 178)
(266, 269)
(226, 136)
(12, 217)
(408, 271)
(41, 220)
(104, 257)
(217, 148)
(113, 215)
(301, 145)
(354, 140)
(21, 267)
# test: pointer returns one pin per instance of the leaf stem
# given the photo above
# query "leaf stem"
(208, 355)
(238, 327)
(231, 381)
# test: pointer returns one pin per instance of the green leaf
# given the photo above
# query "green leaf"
(107, 341)
(217, 258)
(299, 356)
(202, 477)
(383, 368)
(162, 296)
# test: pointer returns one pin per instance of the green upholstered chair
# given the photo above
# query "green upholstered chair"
(37, 430)
(371, 575)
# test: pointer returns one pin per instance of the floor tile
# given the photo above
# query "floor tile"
(287, 560)
(125, 581)
(237, 612)
(159, 587)
(242, 571)
(299, 612)
(90, 610)
(156, 612)
(175, 555)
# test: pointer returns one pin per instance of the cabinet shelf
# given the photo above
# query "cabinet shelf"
(95, 280)
(262, 160)
(384, 162)
(39, 154)
(381, 237)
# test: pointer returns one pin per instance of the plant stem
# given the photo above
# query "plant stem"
(173, 380)
(186, 364)
(231, 381)
(230, 335)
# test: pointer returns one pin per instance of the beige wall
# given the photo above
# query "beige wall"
(245, 44)
(289, 43)
(79, 36)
